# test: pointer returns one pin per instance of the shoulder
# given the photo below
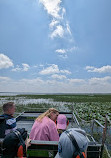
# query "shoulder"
(11, 122)
(6, 116)
(46, 120)
(51, 123)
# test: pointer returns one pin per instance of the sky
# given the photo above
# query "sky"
(55, 46)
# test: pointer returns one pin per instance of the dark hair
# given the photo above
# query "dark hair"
(7, 106)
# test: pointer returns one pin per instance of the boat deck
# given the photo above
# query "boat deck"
(47, 149)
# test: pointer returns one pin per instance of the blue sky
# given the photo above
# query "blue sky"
(55, 46)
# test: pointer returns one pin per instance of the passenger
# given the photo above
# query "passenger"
(44, 127)
(15, 144)
(62, 123)
(9, 123)
(72, 144)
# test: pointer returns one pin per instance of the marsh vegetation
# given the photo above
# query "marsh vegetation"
(88, 107)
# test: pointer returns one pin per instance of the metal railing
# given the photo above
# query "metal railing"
(95, 125)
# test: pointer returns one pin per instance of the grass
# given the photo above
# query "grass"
(72, 97)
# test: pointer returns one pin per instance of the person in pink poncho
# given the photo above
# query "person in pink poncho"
(44, 127)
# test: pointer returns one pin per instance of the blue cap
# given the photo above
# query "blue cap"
(65, 146)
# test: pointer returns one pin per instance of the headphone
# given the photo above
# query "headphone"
(77, 153)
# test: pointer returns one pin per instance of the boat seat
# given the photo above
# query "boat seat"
(45, 148)
(42, 149)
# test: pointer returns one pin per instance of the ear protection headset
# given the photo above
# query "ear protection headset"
(77, 153)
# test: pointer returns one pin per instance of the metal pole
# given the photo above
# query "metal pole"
(104, 136)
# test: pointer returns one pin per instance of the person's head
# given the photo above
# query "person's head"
(62, 122)
(52, 113)
(66, 149)
(9, 108)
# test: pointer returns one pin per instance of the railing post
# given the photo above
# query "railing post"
(104, 131)
(72, 115)
(104, 136)
(92, 127)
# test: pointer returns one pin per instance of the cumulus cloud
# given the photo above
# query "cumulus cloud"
(17, 68)
(50, 70)
(104, 69)
(5, 62)
(73, 85)
(65, 71)
(62, 51)
(24, 67)
(96, 80)
(53, 69)
(60, 77)
(89, 68)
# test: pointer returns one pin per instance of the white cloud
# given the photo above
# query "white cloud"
(63, 12)
(53, 69)
(50, 70)
(102, 81)
(32, 81)
(24, 67)
(89, 67)
(60, 77)
(17, 68)
(76, 80)
(104, 69)
(53, 7)
(53, 23)
(63, 56)
(59, 31)
(4, 78)
(73, 49)
(68, 29)
(65, 71)
(74, 85)
(5, 62)
(58, 23)
(62, 51)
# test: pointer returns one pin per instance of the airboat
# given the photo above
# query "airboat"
(45, 149)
